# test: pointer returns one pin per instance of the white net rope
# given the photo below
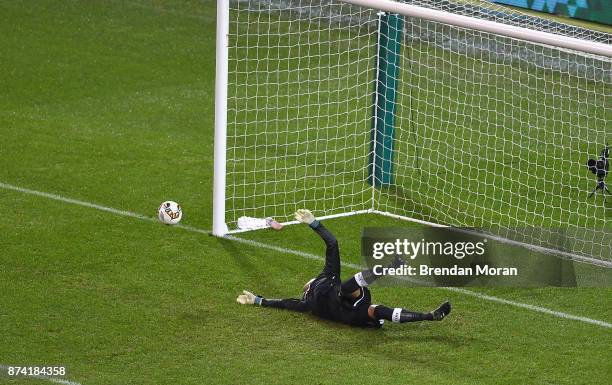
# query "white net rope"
(490, 132)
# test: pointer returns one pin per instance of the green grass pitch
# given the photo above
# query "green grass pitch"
(112, 103)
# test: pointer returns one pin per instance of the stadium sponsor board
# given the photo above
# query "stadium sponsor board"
(593, 10)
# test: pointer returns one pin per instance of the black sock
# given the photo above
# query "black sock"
(362, 279)
(367, 277)
(400, 315)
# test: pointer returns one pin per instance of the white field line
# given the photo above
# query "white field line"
(455, 289)
(50, 379)
(302, 254)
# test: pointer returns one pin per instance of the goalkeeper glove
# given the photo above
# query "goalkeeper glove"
(248, 298)
(304, 216)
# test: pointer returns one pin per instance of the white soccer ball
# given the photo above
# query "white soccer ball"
(170, 213)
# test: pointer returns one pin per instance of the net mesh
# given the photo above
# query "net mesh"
(490, 132)
(299, 107)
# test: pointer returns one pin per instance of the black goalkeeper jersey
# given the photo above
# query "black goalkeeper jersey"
(324, 297)
(324, 300)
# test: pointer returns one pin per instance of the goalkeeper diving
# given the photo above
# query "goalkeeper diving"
(348, 302)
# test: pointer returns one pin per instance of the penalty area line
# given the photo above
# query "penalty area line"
(302, 254)
(38, 377)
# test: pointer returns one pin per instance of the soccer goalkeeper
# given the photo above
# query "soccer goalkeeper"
(348, 302)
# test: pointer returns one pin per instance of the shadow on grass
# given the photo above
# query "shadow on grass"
(254, 263)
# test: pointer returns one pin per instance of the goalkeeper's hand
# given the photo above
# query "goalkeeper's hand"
(248, 298)
(304, 216)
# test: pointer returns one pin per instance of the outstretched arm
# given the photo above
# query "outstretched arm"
(248, 298)
(332, 252)
(289, 304)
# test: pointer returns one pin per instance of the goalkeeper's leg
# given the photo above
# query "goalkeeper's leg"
(355, 287)
(402, 315)
(352, 287)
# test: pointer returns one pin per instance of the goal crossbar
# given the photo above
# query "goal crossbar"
(511, 31)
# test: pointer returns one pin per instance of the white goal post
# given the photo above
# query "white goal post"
(440, 112)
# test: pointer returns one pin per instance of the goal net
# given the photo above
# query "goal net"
(344, 109)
